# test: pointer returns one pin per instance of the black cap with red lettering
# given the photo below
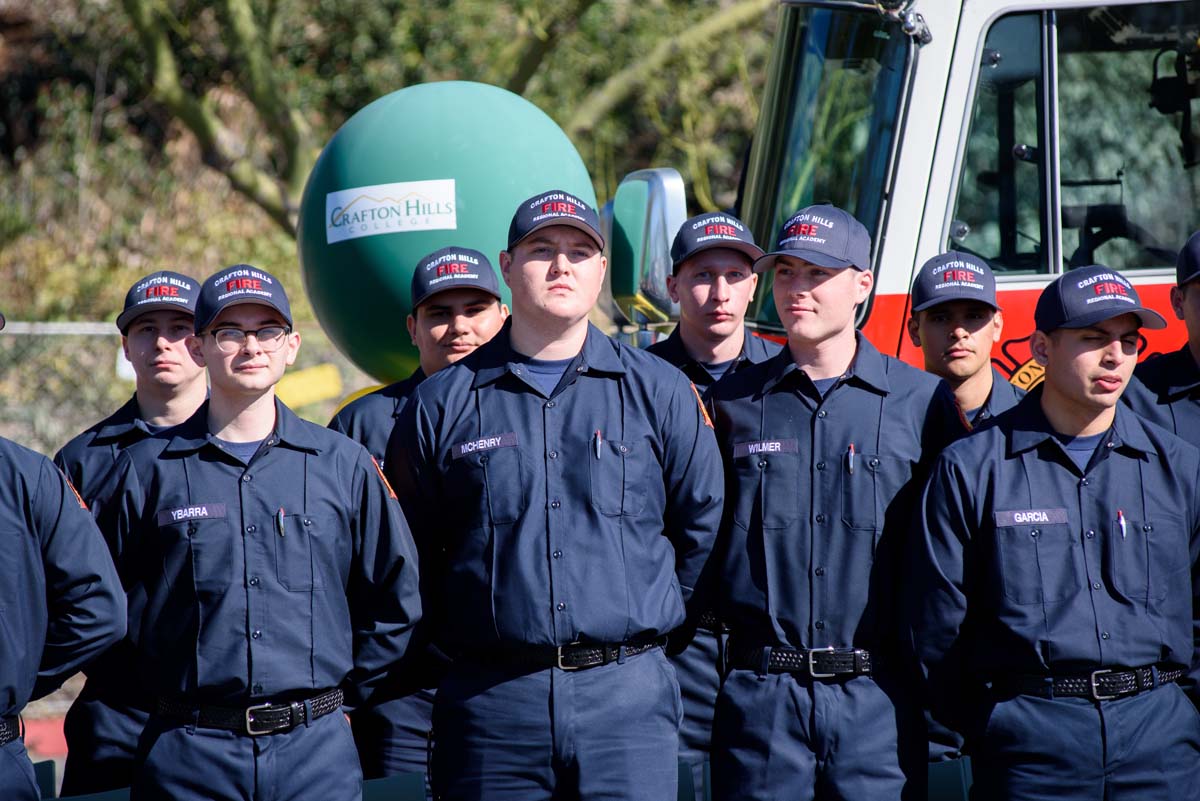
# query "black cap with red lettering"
(452, 268)
(1187, 266)
(822, 235)
(953, 276)
(716, 229)
(554, 207)
(241, 283)
(161, 290)
(1089, 295)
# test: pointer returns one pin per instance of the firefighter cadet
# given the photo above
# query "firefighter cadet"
(713, 282)
(823, 445)
(456, 308)
(276, 568)
(1167, 387)
(103, 724)
(955, 322)
(1053, 596)
(560, 488)
(61, 603)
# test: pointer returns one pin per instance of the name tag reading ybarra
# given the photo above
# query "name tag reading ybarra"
(1025, 517)
(199, 511)
(462, 449)
(765, 446)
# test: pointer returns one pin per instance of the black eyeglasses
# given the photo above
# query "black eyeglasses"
(231, 340)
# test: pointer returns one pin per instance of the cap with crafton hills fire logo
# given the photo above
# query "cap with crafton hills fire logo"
(716, 229)
(554, 207)
(241, 283)
(452, 268)
(953, 276)
(822, 235)
(1089, 295)
(161, 290)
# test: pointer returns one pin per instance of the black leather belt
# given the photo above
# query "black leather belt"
(10, 729)
(1099, 685)
(816, 663)
(710, 622)
(575, 656)
(254, 720)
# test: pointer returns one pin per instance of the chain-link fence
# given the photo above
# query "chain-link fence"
(59, 378)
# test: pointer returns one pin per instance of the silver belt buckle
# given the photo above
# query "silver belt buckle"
(812, 663)
(558, 652)
(253, 732)
(1094, 685)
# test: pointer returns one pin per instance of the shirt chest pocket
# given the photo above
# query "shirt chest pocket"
(869, 483)
(769, 483)
(1037, 563)
(1147, 559)
(489, 486)
(304, 550)
(200, 548)
(618, 475)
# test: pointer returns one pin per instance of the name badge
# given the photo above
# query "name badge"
(492, 442)
(765, 446)
(1025, 517)
(199, 511)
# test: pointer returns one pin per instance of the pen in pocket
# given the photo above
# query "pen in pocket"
(279, 521)
(596, 443)
(850, 458)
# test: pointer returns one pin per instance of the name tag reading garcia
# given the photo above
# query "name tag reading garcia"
(488, 443)
(1025, 517)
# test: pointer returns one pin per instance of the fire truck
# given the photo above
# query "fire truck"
(1040, 136)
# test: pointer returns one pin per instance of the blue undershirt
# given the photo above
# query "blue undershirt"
(823, 385)
(546, 373)
(1080, 449)
(717, 369)
(242, 451)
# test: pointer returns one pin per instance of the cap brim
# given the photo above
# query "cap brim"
(753, 251)
(570, 222)
(1147, 317)
(241, 302)
(811, 256)
(126, 318)
(425, 298)
(3, 322)
(929, 304)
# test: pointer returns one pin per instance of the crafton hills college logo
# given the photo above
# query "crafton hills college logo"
(390, 209)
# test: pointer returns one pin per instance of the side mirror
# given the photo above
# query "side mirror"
(647, 211)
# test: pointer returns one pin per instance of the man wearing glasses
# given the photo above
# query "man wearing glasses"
(277, 571)
(105, 721)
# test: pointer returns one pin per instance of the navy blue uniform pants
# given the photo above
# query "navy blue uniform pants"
(17, 782)
(393, 736)
(609, 732)
(1142, 748)
(180, 762)
(102, 736)
(779, 737)
(699, 672)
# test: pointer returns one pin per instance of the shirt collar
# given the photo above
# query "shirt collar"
(1183, 371)
(867, 368)
(1030, 428)
(497, 357)
(754, 350)
(290, 431)
(123, 424)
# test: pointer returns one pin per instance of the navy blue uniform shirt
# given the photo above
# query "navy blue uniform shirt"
(535, 530)
(371, 418)
(292, 574)
(61, 602)
(1029, 566)
(809, 549)
(754, 350)
(1004, 396)
(88, 457)
(1167, 393)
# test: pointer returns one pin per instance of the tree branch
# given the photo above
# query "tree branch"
(620, 86)
(538, 43)
(147, 18)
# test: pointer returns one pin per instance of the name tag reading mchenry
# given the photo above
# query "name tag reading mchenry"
(487, 443)
(765, 446)
(1026, 517)
(197, 511)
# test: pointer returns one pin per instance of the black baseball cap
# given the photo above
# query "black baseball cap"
(241, 283)
(452, 268)
(554, 207)
(161, 290)
(1089, 295)
(823, 235)
(715, 229)
(953, 276)
(1187, 266)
